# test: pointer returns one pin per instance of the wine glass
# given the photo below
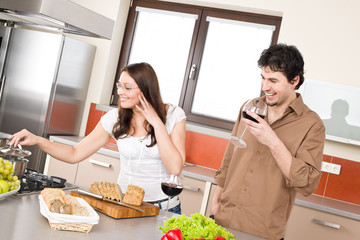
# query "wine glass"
(171, 186)
(257, 106)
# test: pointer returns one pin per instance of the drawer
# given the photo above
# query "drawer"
(307, 223)
(97, 168)
(62, 169)
(192, 195)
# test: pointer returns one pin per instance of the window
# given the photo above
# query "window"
(205, 59)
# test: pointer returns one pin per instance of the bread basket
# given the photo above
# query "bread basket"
(67, 222)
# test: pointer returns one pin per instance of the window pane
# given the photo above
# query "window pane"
(162, 38)
(229, 74)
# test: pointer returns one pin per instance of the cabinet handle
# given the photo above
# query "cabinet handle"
(100, 163)
(327, 224)
(191, 188)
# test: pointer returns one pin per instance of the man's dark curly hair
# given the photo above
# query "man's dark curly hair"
(286, 59)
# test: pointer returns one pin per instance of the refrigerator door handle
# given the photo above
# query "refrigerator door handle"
(2, 84)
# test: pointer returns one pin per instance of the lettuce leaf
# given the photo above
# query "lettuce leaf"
(197, 226)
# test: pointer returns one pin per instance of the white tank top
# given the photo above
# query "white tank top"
(141, 165)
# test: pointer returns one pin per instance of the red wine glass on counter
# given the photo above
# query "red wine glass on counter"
(257, 106)
(171, 186)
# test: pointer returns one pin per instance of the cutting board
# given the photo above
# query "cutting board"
(117, 211)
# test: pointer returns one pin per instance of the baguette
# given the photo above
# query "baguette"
(54, 199)
(76, 208)
(58, 202)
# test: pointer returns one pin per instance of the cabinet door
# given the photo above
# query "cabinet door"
(301, 225)
(61, 169)
(192, 195)
(97, 168)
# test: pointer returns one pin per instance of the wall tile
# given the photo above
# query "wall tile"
(205, 150)
(346, 186)
(93, 118)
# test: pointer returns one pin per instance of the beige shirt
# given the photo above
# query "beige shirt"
(257, 198)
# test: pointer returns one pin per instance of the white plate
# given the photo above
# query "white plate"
(4, 195)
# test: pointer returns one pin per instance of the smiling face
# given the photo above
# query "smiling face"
(278, 90)
(128, 91)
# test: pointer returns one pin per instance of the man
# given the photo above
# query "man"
(257, 184)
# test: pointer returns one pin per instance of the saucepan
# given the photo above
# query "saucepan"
(15, 155)
(19, 164)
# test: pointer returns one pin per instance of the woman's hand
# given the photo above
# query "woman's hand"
(148, 111)
(24, 137)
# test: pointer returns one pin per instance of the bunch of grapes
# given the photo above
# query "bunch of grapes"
(6, 176)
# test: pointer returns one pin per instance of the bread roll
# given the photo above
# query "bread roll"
(134, 195)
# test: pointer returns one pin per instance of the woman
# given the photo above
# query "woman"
(150, 136)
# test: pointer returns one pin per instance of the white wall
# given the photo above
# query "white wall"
(325, 31)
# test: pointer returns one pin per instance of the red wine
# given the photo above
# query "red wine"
(171, 189)
(251, 118)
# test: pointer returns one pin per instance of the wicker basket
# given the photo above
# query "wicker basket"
(80, 227)
(70, 222)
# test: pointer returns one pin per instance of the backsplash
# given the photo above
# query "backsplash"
(207, 151)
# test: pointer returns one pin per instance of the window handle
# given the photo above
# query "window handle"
(192, 71)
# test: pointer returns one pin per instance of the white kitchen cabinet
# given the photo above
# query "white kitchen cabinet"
(308, 223)
(61, 169)
(98, 167)
(195, 197)
(192, 195)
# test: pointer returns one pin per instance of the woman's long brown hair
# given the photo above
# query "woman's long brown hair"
(146, 79)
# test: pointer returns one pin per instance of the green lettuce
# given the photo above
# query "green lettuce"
(197, 226)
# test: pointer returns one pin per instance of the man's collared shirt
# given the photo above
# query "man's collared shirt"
(257, 198)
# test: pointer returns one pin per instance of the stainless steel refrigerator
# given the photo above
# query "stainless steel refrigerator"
(43, 86)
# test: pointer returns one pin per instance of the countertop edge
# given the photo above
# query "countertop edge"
(327, 209)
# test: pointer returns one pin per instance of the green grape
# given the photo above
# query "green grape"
(6, 162)
(9, 177)
(2, 169)
(6, 172)
(12, 171)
(15, 178)
(17, 182)
(1, 164)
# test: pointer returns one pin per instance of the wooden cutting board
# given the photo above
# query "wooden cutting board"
(117, 211)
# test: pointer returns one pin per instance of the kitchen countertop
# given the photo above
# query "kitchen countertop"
(316, 202)
(21, 219)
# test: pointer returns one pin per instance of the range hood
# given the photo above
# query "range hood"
(58, 15)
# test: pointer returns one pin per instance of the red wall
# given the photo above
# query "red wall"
(207, 151)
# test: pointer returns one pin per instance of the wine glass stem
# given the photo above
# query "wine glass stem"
(167, 207)
(243, 132)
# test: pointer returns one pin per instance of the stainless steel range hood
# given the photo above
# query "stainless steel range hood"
(59, 15)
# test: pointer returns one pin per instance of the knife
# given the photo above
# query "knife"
(98, 196)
